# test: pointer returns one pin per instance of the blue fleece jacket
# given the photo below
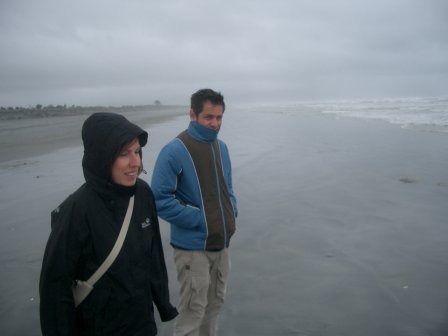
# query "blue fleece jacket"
(177, 189)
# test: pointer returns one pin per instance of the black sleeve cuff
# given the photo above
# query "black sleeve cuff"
(168, 314)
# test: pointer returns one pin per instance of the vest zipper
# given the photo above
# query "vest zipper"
(219, 196)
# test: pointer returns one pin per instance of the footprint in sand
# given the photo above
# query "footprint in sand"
(408, 180)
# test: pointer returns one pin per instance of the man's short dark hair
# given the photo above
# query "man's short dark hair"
(200, 97)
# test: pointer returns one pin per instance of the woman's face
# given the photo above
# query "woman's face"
(127, 165)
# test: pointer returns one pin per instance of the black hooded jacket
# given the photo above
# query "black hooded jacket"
(84, 230)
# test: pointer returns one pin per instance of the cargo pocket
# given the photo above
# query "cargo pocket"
(221, 285)
(198, 298)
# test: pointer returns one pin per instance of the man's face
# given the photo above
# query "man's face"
(210, 117)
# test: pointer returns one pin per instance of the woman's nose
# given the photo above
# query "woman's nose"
(135, 159)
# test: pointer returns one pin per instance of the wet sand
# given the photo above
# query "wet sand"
(40, 166)
(22, 138)
(342, 227)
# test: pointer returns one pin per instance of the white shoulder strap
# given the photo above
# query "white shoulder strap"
(117, 247)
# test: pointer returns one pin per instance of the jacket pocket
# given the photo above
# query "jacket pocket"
(192, 206)
(193, 219)
(95, 303)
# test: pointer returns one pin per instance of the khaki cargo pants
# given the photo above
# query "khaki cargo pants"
(202, 277)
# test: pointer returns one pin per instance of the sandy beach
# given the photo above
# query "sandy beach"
(342, 228)
(22, 138)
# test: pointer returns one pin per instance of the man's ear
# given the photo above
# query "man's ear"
(192, 115)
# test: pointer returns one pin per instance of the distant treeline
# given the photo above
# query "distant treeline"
(40, 111)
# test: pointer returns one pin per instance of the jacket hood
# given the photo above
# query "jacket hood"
(103, 134)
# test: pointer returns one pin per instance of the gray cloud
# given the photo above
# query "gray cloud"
(133, 52)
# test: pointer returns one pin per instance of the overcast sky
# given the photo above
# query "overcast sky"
(119, 52)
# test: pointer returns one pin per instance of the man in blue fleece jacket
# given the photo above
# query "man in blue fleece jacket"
(192, 185)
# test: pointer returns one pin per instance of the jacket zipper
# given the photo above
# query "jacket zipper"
(219, 196)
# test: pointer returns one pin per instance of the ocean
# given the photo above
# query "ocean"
(428, 113)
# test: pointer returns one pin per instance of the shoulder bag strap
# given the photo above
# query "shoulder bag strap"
(117, 247)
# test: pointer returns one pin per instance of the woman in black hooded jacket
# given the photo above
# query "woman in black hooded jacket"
(85, 227)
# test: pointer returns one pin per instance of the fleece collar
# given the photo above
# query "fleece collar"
(202, 133)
